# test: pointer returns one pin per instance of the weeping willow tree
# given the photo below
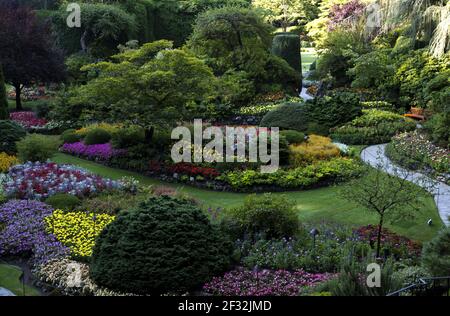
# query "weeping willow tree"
(429, 21)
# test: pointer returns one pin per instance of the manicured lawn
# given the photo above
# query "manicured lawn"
(308, 58)
(10, 279)
(318, 205)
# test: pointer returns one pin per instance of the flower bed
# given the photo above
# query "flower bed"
(414, 151)
(391, 242)
(243, 282)
(77, 230)
(94, 152)
(7, 161)
(28, 120)
(313, 175)
(37, 181)
(23, 232)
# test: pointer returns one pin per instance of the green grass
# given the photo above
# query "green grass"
(313, 206)
(308, 58)
(10, 279)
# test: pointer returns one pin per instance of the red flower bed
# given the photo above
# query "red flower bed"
(27, 119)
(183, 168)
(388, 238)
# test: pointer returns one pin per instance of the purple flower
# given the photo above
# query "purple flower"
(100, 151)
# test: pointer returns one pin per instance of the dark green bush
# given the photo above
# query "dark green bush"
(10, 133)
(165, 245)
(97, 136)
(287, 116)
(436, 254)
(36, 147)
(42, 109)
(293, 137)
(287, 46)
(65, 202)
(128, 137)
(70, 136)
(267, 216)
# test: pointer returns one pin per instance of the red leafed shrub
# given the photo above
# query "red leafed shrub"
(389, 239)
(193, 171)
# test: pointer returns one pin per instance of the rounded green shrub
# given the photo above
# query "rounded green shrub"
(97, 136)
(10, 133)
(436, 254)
(267, 216)
(165, 245)
(65, 202)
(287, 116)
(293, 137)
(128, 137)
(36, 147)
(70, 136)
(287, 46)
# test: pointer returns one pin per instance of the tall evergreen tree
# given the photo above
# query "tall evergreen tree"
(4, 113)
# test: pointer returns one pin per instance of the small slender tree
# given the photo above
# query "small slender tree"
(391, 196)
(4, 113)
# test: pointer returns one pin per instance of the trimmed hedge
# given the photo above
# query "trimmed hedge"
(97, 136)
(165, 245)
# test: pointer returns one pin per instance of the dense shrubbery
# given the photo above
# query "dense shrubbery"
(70, 136)
(10, 133)
(97, 136)
(293, 137)
(316, 148)
(36, 147)
(62, 201)
(436, 255)
(163, 246)
(287, 116)
(267, 216)
(373, 127)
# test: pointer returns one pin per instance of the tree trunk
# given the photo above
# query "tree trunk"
(18, 99)
(83, 41)
(380, 228)
(149, 134)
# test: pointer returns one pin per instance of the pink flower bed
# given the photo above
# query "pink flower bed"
(100, 151)
(243, 282)
(27, 119)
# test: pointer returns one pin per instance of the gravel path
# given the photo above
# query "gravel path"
(376, 157)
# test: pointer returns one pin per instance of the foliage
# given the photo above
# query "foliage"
(243, 282)
(63, 201)
(166, 85)
(373, 127)
(110, 204)
(414, 151)
(35, 147)
(40, 180)
(77, 230)
(314, 175)
(293, 137)
(23, 232)
(379, 105)
(4, 112)
(238, 38)
(70, 136)
(436, 254)
(286, 116)
(287, 46)
(128, 137)
(97, 136)
(268, 215)
(7, 161)
(39, 59)
(386, 195)
(333, 110)
(164, 245)
(10, 133)
(314, 149)
(345, 14)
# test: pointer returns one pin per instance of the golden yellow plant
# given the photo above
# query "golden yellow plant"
(7, 161)
(110, 128)
(316, 148)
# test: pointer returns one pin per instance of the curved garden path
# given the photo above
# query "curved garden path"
(376, 157)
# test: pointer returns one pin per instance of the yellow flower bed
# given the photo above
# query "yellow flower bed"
(7, 161)
(110, 128)
(77, 230)
(316, 148)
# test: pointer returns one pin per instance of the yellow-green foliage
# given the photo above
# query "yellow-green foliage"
(316, 148)
(7, 161)
(77, 230)
(110, 128)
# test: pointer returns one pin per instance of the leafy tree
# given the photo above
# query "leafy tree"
(4, 113)
(27, 52)
(152, 85)
(390, 196)
(238, 38)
